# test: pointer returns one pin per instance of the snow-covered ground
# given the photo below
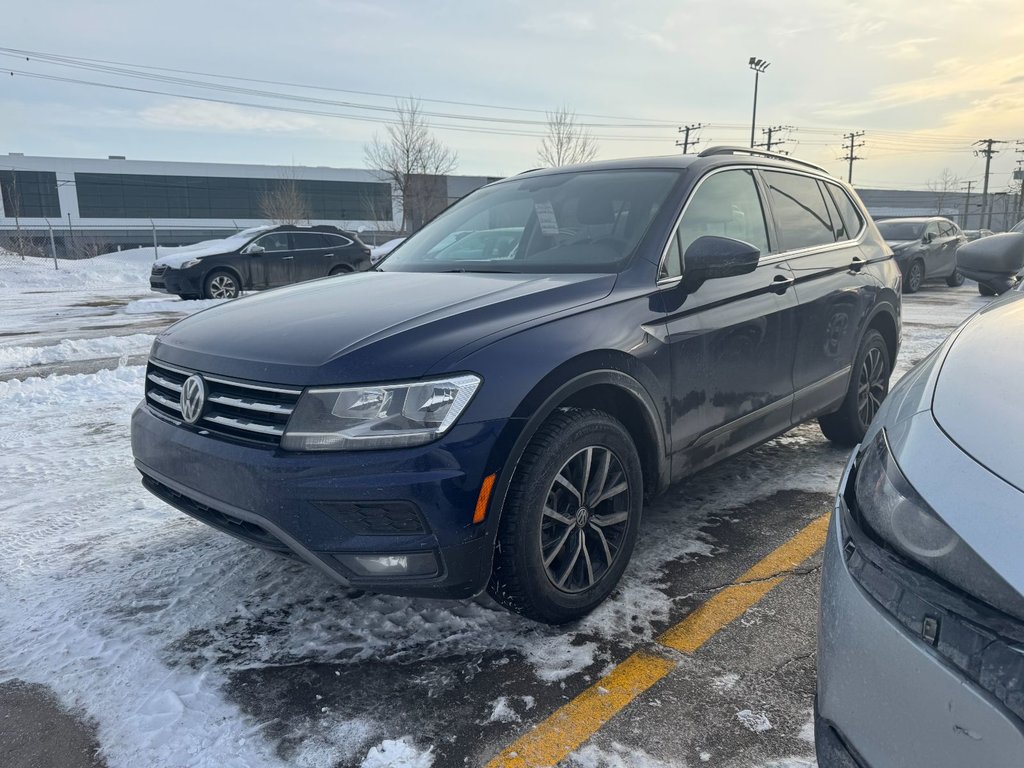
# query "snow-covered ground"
(140, 618)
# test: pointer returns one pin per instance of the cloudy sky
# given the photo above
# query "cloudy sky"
(922, 80)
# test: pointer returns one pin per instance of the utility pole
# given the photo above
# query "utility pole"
(1019, 178)
(967, 206)
(687, 141)
(759, 66)
(769, 132)
(987, 152)
(851, 149)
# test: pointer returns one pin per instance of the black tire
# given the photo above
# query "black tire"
(341, 269)
(537, 572)
(869, 384)
(956, 279)
(984, 290)
(221, 284)
(914, 278)
(189, 296)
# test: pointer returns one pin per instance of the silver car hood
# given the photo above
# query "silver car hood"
(978, 393)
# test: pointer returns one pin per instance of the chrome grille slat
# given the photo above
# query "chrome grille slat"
(250, 405)
(247, 426)
(165, 401)
(241, 410)
(164, 382)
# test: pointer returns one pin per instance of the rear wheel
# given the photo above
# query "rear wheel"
(869, 384)
(570, 519)
(221, 285)
(956, 279)
(914, 278)
(339, 270)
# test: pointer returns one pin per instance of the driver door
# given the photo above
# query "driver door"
(270, 262)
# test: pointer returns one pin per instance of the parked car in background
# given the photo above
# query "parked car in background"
(257, 258)
(925, 249)
(493, 414)
(977, 234)
(996, 262)
(922, 614)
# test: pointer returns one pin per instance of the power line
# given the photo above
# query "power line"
(988, 152)
(771, 131)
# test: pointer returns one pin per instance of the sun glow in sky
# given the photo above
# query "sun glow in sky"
(922, 80)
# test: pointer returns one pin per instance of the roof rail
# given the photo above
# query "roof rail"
(726, 150)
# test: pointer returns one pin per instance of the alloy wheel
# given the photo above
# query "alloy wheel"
(585, 517)
(872, 385)
(915, 277)
(223, 287)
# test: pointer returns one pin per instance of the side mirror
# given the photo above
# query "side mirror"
(928, 238)
(255, 250)
(710, 257)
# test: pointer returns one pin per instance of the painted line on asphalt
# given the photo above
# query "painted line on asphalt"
(553, 739)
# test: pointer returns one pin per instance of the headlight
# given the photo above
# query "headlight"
(897, 514)
(385, 416)
(189, 263)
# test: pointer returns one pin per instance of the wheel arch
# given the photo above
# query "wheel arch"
(223, 268)
(883, 320)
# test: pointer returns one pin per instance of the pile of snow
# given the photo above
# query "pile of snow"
(398, 753)
(40, 274)
(75, 349)
(378, 252)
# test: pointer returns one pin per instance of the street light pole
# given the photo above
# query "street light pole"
(759, 66)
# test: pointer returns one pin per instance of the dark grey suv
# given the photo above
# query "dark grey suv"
(925, 249)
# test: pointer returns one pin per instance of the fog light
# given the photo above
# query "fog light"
(400, 564)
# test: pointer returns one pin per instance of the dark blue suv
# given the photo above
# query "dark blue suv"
(495, 417)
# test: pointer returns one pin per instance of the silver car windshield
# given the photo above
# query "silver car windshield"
(586, 221)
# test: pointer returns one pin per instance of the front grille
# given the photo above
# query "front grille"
(236, 409)
(158, 269)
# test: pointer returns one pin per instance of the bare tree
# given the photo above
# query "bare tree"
(566, 142)
(404, 155)
(284, 202)
(943, 187)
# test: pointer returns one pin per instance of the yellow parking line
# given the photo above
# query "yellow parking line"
(733, 601)
(553, 739)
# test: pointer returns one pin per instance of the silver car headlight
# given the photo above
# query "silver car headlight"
(897, 514)
(377, 416)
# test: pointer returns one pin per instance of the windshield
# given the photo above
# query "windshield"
(589, 221)
(901, 230)
(1018, 227)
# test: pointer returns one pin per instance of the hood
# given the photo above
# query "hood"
(366, 327)
(977, 399)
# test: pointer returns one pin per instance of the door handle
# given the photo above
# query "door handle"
(857, 264)
(780, 284)
(287, 258)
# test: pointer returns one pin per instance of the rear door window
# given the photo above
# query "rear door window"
(336, 241)
(307, 241)
(838, 227)
(801, 217)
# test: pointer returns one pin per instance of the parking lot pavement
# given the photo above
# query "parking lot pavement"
(166, 643)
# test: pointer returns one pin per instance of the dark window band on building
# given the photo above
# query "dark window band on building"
(29, 194)
(146, 196)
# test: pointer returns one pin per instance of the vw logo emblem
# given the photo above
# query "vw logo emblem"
(582, 517)
(193, 398)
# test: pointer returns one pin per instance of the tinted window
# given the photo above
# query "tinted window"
(932, 229)
(800, 213)
(725, 204)
(306, 240)
(838, 227)
(336, 241)
(848, 211)
(586, 221)
(29, 194)
(894, 230)
(275, 241)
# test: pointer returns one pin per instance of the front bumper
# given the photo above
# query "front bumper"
(176, 281)
(326, 507)
(886, 696)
